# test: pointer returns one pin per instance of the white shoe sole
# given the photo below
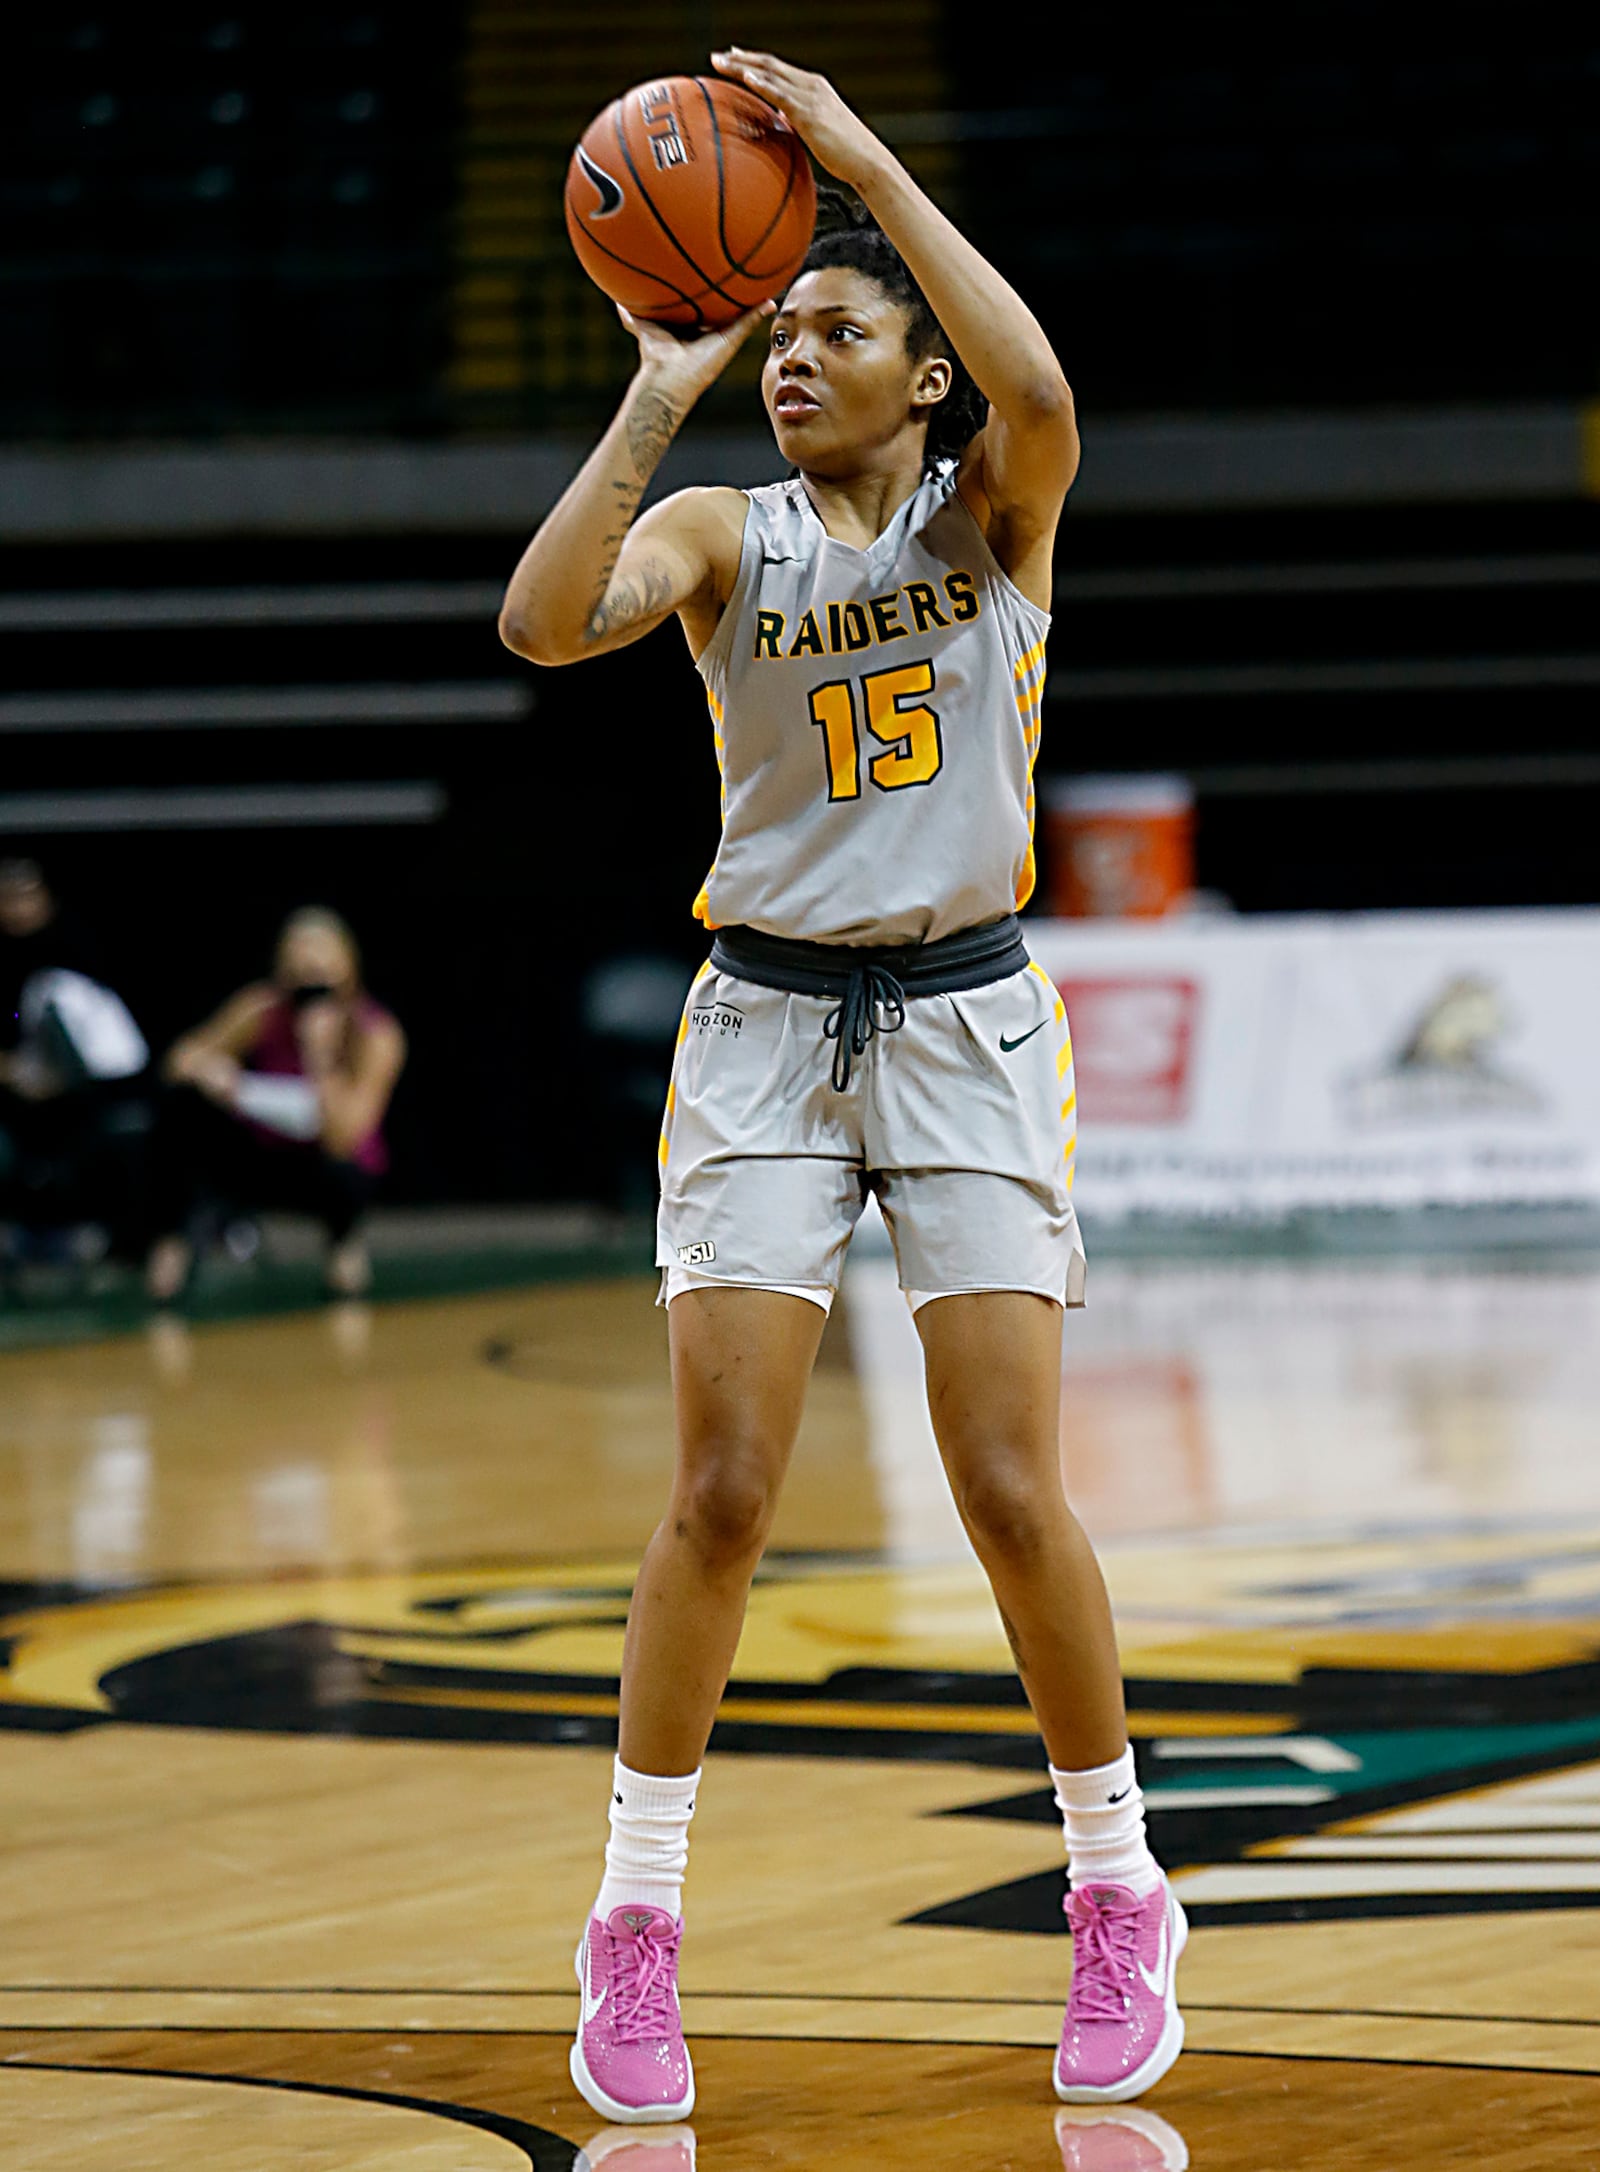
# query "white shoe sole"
(620, 2115)
(1168, 2044)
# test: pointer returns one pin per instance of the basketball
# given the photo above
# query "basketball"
(689, 200)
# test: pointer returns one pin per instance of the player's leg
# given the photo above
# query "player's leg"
(994, 1392)
(976, 1188)
(740, 1362)
(994, 1381)
(741, 1359)
(760, 1188)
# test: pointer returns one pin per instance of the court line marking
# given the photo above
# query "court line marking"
(521, 2134)
(829, 1998)
(808, 1711)
(21, 2063)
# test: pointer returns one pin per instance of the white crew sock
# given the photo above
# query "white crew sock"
(1103, 1812)
(648, 1851)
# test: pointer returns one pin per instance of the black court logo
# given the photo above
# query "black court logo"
(1405, 1789)
(722, 1019)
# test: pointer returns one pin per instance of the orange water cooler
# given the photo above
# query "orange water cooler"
(1120, 847)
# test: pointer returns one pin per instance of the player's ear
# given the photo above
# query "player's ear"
(932, 382)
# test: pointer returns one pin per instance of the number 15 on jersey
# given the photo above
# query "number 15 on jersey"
(896, 716)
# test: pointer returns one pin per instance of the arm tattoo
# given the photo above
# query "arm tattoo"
(625, 603)
(652, 425)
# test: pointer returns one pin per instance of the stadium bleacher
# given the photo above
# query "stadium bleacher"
(224, 218)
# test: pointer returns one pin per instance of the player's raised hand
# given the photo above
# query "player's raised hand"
(836, 137)
(684, 364)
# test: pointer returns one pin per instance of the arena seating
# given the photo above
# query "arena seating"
(228, 216)
(224, 216)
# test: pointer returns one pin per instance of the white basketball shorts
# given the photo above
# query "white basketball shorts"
(963, 1122)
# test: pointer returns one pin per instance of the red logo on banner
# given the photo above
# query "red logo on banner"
(1131, 1044)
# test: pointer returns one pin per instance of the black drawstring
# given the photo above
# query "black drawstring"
(871, 989)
(870, 984)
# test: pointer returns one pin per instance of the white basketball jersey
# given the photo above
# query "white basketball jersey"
(876, 716)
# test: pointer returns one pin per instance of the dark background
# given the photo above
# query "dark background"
(226, 224)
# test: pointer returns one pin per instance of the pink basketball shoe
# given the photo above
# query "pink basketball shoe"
(630, 2061)
(1123, 2028)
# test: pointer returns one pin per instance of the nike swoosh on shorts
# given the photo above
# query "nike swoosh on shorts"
(1007, 1046)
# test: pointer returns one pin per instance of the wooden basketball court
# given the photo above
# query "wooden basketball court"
(308, 1680)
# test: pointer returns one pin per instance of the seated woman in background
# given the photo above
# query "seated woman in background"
(278, 1102)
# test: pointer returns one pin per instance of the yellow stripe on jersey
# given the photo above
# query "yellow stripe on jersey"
(702, 903)
(1055, 993)
(1029, 696)
(683, 1035)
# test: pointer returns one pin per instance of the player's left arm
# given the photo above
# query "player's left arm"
(1017, 472)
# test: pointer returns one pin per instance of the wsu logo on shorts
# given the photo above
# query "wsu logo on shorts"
(722, 1019)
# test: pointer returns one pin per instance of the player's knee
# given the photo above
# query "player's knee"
(1004, 1508)
(725, 1507)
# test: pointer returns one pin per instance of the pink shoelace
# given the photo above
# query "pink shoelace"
(1103, 1956)
(644, 1969)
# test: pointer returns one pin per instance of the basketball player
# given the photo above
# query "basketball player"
(871, 635)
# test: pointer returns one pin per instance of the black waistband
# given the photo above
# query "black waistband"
(972, 958)
(870, 983)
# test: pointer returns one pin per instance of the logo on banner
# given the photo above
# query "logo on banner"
(1448, 1064)
(1133, 1047)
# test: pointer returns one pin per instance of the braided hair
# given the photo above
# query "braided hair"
(848, 238)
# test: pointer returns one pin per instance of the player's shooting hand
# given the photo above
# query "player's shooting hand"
(680, 365)
(836, 137)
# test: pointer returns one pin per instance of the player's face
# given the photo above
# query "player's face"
(838, 382)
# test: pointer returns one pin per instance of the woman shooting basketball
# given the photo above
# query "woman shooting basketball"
(871, 635)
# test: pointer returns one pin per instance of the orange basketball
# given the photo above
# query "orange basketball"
(689, 200)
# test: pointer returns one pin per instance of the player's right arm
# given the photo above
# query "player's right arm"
(596, 577)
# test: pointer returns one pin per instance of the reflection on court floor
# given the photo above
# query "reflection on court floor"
(308, 1672)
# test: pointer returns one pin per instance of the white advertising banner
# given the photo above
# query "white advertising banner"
(1261, 1065)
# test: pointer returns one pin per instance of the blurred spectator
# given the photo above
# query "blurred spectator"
(278, 1102)
(36, 935)
(74, 1104)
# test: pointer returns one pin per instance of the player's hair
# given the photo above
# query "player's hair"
(849, 238)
